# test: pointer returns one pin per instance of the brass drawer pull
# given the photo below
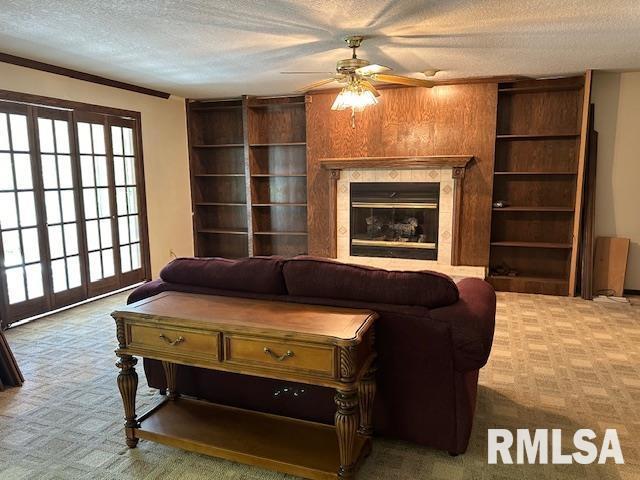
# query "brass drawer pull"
(279, 358)
(173, 343)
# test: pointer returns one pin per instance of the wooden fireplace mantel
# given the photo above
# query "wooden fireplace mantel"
(457, 163)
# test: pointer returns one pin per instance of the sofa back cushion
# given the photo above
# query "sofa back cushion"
(254, 274)
(316, 277)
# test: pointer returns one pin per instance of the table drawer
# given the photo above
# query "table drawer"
(284, 355)
(174, 342)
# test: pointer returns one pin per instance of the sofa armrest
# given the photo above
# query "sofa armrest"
(472, 320)
(146, 290)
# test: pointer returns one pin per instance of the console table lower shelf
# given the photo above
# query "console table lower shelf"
(288, 445)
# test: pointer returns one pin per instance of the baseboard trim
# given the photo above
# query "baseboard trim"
(67, 307)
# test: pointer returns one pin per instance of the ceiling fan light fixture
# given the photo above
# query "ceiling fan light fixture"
(354, 97)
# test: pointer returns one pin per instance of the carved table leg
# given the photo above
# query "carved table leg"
(128, 384)
(346, 425)
(170, 374)
(366, 396)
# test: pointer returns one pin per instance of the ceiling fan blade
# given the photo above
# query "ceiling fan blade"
(366, 85)
(306, 73)
(416, 82)
(371, 69)
(317, 84)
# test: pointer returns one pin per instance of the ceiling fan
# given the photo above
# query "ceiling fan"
(357, 74)
(361, 69)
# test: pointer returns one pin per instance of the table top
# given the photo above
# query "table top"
(250, 315)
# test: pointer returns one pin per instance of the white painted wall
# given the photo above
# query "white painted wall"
(164, 138)
(617, 119)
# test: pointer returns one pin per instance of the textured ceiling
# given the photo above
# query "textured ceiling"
(199, 48)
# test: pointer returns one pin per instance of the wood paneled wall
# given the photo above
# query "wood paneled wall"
(455, 119)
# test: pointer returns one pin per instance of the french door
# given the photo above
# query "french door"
(23, 253)
(70, 219)
(61, 212)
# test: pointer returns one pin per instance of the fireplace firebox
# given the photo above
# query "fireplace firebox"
(397, 220)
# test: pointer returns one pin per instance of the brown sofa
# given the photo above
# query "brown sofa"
(432, 338)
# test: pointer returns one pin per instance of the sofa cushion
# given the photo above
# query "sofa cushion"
(254, 274)
(317, 277)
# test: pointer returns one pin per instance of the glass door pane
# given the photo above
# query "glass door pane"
(19, 236)
(96, 201)
(60, 204)
(124, 167)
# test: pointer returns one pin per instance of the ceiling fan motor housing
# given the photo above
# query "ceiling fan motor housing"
(349, 65)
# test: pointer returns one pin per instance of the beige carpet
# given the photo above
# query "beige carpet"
(556, 363)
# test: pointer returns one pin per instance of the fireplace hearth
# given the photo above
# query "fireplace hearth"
(395, 220)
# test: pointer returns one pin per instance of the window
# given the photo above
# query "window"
(72, 210)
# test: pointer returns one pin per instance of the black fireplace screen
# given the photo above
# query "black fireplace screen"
(398, 220)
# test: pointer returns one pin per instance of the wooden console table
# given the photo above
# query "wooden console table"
(327, 346)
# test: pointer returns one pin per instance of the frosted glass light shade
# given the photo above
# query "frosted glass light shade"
(354, 97)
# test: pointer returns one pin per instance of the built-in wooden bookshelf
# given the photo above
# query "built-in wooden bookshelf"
(538, 176)
(248, 176)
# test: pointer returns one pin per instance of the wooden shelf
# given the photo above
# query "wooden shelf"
(282, 204)
(279, 144)
(533, 209)
(534, 173)
(537, 162)
(526, 278)
(215, 103)
(539, 89)
(542, 136)
(278, 105)
(277, 131)
(219, 145)
(531, 244)
(298, 175)
(292, 446)
(281, 233)
(238, 146)
(215, 108)
(219, 175)
(431, 161)
(220, 204)
(222, 231)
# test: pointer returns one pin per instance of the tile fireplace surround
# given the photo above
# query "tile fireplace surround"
(446, 230)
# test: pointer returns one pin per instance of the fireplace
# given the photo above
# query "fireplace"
(395, 219)
(396, 190)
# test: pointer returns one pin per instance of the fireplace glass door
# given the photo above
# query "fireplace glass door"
(396, 220)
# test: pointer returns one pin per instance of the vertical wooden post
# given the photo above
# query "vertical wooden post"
(246, 141)
(366, 396)
(128, 384)
(577, 215)
(457, 173)
(170, 369)
(346, 425)
(367, 390)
